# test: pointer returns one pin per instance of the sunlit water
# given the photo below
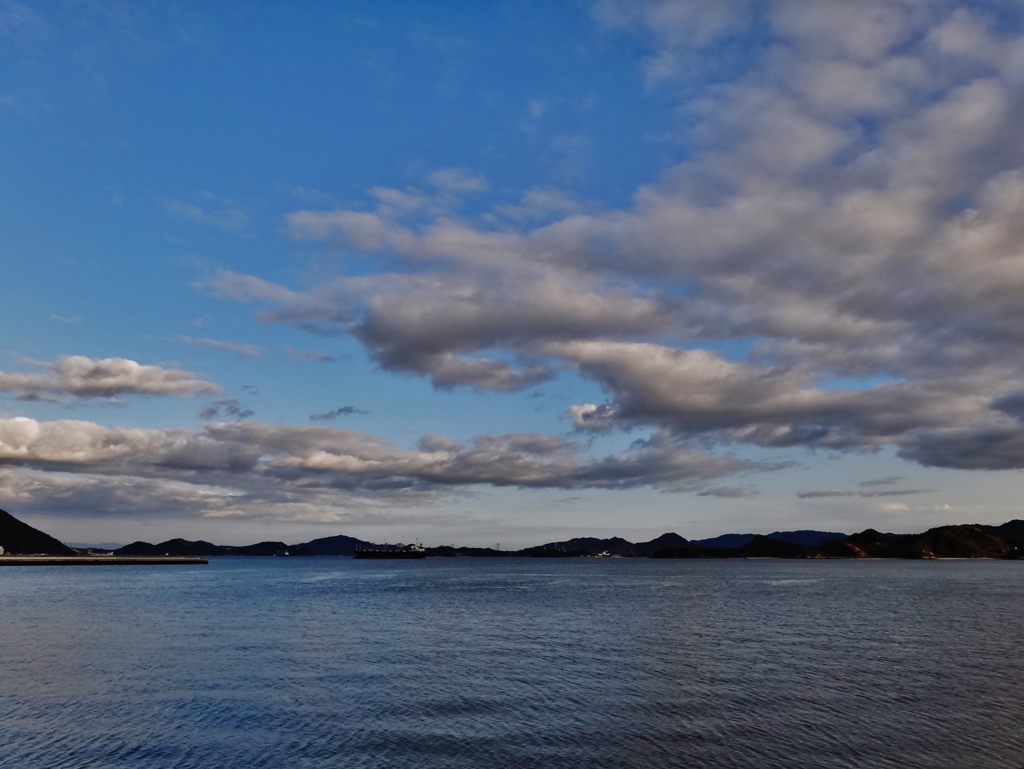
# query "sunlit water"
(330, 662)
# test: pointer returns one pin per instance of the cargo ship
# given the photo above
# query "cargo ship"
(407, 553)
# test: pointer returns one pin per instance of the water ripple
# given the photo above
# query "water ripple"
(450, 664)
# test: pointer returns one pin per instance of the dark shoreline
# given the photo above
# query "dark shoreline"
(99, 560)
(26, 546)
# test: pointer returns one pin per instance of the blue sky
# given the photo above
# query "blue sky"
(509, 272)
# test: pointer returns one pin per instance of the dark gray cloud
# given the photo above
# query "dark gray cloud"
(226, 408)
(894, 492)
(825, 493)
(886, 481)
(328, 416)
(1011, 403)
(729, 492)
(312, 356)
(982, 447)
(33, 396)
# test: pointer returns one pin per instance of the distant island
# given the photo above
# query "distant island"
(1005, 541)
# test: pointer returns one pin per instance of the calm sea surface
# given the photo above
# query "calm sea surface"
(330, 662)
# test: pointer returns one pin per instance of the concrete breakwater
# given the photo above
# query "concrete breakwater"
(99, 560)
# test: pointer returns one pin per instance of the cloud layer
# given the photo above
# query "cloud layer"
(848, 215)
(248, 469)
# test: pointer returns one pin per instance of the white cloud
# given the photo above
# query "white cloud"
(851, 200)
(81, 377)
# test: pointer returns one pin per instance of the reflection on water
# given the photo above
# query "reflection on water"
(514, 663)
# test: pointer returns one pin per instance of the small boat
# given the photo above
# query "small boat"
(407, 553)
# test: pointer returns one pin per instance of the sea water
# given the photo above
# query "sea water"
(331, 662)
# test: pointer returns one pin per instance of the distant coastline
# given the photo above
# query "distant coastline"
(97, 560)
(958, 541)
(1005, 541)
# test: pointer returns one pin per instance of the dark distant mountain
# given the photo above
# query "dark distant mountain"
(805, 537)
(966, 541)
(942, 542)
(170, 547)
(770, 547)
(1011, 531)
(724, 540)
(758, 546)
(200, 548)
(447, 551)
(865, 544)
(580, 546)
(572, 548)
(339, 545)
(671, 540)
(958, 542)
(18, 538)
(261, 548)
